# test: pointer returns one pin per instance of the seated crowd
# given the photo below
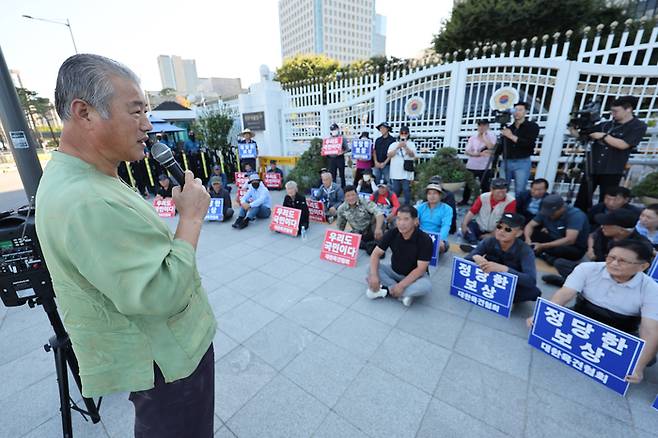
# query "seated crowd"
(600, 255)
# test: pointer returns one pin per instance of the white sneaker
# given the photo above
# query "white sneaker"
(406, 301)
(381, 293)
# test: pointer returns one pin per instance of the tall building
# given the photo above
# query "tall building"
(345, 30)
(177, 73)
(222, 87)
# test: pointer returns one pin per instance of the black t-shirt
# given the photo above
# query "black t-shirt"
(406, 253)
(381, 147)
(299, 202)
(527, 133)
(607, 160)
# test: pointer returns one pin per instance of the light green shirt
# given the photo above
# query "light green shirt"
(128, 292)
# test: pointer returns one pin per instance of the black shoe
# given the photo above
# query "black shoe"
(238, 222)
(244, 224)
(466, 247)
(554, 280)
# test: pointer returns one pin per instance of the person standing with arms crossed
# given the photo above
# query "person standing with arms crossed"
(130, 294)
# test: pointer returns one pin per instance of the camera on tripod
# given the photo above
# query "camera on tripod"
(585, 120)
(503, 117)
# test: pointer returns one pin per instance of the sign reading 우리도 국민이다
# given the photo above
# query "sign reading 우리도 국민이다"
(316, 210)
(340, 247)
(165, 207)
(332, 146)
(494, 292)
(285, 220)
(604, 353)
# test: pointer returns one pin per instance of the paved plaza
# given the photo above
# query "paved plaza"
(301, 352)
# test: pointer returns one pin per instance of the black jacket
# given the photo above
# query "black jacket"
(299, 203)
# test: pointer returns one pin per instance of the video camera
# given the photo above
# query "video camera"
(586, 119)
(503, 117)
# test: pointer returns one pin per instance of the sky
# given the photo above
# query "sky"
(228, 38)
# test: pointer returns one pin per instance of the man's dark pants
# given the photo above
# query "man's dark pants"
(183, 408)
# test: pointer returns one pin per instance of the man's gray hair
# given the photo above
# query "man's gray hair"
(291, 185)
(88, 77)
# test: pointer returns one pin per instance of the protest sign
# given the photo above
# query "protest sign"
(165, 207)
(285, 220)
(604, 353)
(332, 146)
(215, 210)
(340, 247)
(494, 292)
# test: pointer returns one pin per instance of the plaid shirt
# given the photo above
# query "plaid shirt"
(358, 216)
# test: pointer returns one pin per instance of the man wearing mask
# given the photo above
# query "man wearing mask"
(337, 162)
(520, 140)
(256, 203)
(381, 169)
(402, 154)
(614, 142)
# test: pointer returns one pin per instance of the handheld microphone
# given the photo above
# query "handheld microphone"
(165, 157)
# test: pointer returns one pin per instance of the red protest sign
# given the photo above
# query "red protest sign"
(165, 207)
(285, 220)
(340, 247)
(332, 146)
(273, 180)
(241, 180)
(316, 210)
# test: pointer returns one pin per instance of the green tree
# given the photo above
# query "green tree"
(303, 67)
(491, 21)
(167, 92)
(307, 171)
(43, 108)
(27, 98)
(213, 129)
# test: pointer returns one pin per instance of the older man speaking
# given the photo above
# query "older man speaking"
(129, 291)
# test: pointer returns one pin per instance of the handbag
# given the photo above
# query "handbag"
(408, 165)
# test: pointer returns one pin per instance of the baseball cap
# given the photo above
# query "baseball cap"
(434, 186)
(254, 177)
(499, 183)
(215, 179)
(621, 217)
(551, 204)
(514, 220)
(382, 183)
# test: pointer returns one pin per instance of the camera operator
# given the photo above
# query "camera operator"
(614, 142)
(520, 137)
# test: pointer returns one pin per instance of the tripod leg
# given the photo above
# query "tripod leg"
(92, 409)
(63, 384)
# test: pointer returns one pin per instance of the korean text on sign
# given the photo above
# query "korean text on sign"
(285, 220)
(494, 292)
(215, 210)
(165, 207)
(273, 180)
(604, 353)
(316, 210)
(340, 247)
(241, 179)
(362, 149)
(436, 239)
(247, 150)
(332, 146)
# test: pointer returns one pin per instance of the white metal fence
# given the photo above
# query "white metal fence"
(457, 93)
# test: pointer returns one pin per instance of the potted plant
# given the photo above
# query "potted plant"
(307, 171)
(647, 189)
(449, 167)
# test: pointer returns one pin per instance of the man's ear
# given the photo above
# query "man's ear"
(80, 110)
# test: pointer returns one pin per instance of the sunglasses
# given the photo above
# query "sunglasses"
(502, 227)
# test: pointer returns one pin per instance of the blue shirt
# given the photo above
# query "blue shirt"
(571, 219)
(435, 220)
(258, 197)
(533, 205)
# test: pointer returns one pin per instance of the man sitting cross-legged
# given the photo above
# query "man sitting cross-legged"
(407, 276)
